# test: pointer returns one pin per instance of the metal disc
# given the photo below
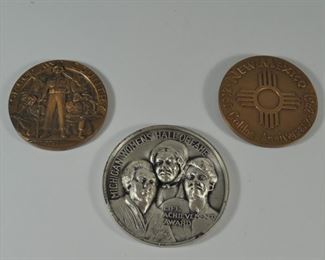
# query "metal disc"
(268, 101)
(58, 104)
(165, 185)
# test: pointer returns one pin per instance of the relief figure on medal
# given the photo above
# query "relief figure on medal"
(136, 209)
(58, 86)
(56, 104)
(188, 213)
(28, 114)
(200, 180)
(169, 160)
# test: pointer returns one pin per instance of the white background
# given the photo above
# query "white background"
(162, 63)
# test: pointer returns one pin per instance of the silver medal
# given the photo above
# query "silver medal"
(165, 185)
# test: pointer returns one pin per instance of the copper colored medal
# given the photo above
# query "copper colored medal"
(58, 104)
(267, 101)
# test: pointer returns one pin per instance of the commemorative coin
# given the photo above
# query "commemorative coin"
(267, 101)
(58, 104)
(165, 185)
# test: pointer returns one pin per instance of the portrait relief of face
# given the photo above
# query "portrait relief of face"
(166, 166)
(51, 84)
(143, 186)
(58, 69)
(197, 182)
(200, 178)
(140, 183)
(169, 159)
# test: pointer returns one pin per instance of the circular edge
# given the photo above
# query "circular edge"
(153, 127)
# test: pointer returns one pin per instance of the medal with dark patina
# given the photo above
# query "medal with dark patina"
(165, 185)
(268, 101)
(58, 104)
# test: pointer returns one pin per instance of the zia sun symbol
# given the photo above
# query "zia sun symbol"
(267, 99)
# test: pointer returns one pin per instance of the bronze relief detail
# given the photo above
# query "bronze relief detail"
(58, 104)
(267, 101)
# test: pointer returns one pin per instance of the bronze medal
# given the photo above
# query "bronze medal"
(267, 101)
(58, 104)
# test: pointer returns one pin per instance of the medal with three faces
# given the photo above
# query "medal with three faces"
(165, 185)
